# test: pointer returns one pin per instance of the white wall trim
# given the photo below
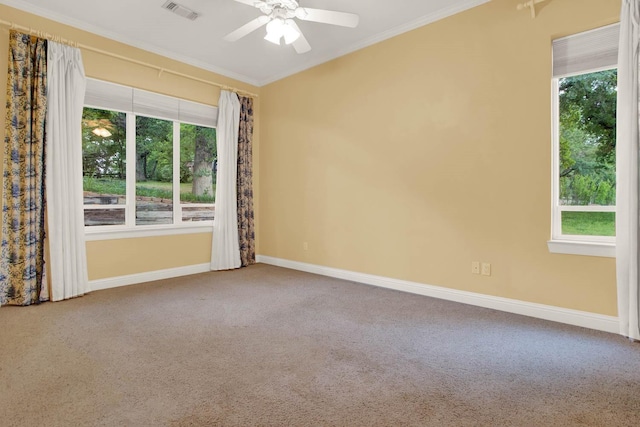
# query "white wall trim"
(132, 279)
(557, 314)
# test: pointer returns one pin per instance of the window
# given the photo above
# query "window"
(584, 135)
(586, 168)
(104, 157)
(148, 160)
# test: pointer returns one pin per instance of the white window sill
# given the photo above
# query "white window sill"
(114, 233)
(572, 247)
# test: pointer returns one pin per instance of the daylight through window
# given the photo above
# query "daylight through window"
(170, 145)
(587, 154)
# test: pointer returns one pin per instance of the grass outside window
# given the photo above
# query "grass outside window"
(117, 187)
(589, 223)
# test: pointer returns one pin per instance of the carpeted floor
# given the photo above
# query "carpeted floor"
(265, 346)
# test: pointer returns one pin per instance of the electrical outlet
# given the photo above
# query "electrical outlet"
(305, 246)
(475, 267)
(486, 269)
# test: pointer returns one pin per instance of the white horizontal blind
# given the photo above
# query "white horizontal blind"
(111, 96)
(198, 114)
(108, 96)
(155, 105)
(582, 52)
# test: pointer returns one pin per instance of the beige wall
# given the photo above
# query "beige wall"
(415, 156)
(128, 256)
(111, 258)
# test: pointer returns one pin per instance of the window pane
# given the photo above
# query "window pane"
(103, 217)
(589, 223)
(154, 171)
(587, 139)
(197, 162)
(104, 157)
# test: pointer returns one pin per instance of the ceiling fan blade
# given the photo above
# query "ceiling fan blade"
(301, 45)
(247, 28)
(328, 17)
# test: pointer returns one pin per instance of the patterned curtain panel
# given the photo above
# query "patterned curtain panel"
(22, 251)
(246, 232)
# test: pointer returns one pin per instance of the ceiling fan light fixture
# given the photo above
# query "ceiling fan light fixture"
(289, 32)
(275, 26)
(279, 28)
(273, 37)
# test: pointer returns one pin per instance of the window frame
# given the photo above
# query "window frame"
(129, 229)
(582, 53)
(558, 208)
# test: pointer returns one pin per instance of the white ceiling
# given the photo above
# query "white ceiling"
(144, 24)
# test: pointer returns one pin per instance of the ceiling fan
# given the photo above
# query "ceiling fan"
(279, 17)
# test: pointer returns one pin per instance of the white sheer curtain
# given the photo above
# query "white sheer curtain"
(65, 100)
(225, 251)
(627, 157)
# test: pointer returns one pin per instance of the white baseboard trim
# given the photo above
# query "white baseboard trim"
(562, 315)
(132, 279)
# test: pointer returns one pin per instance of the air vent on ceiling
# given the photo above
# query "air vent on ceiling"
(178, 9)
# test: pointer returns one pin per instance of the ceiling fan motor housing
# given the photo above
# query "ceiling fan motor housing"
(287, 4)
(284, 9)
